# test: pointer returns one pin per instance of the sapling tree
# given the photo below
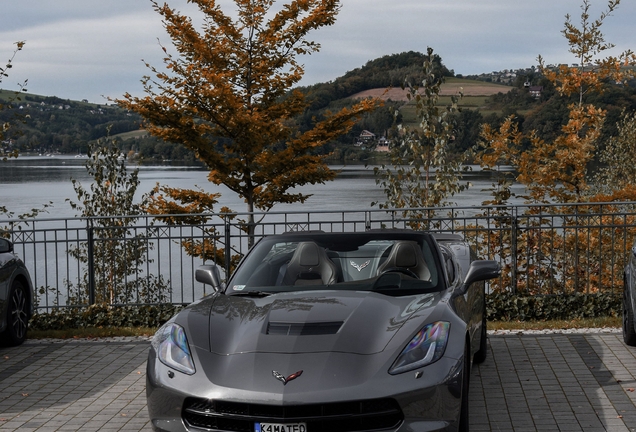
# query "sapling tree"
(115, 253)
(8, 153)
(424, 169)
(4, 126)
(616, 178)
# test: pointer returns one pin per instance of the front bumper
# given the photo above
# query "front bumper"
(428, 401)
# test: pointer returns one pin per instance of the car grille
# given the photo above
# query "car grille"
(355, 416)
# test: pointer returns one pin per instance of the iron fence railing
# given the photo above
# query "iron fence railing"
(543, 249)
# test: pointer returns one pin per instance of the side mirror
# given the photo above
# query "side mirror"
(480, 270)
(209, 275)
(5, 246)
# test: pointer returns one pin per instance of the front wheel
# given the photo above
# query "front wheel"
(17, 315)
(629, 333)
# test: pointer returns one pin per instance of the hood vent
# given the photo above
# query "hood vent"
(304, 329)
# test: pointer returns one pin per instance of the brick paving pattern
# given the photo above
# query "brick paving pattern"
(582, 382)
(556, 382)
(87, 386)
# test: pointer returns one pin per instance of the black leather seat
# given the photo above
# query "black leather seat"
(406, 255)
(310, 265)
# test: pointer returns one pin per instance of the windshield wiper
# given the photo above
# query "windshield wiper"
(252, 293)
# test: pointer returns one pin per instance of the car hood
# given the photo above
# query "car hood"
(7, 259)
(311, 322)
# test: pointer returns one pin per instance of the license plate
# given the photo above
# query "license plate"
(280, 427)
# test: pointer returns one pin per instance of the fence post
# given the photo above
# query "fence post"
(513, 254)
(91, 261)
(228, 246)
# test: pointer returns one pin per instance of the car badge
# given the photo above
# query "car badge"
(281, 377)
(359, 267)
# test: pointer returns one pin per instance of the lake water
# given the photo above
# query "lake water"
(29, 182)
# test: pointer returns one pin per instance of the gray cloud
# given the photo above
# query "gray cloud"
(80, 49)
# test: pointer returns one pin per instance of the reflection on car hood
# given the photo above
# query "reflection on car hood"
(312, 322)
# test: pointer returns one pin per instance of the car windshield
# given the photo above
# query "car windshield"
(400, 265)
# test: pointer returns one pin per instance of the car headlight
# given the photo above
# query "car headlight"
(172, 348)
(426, 347)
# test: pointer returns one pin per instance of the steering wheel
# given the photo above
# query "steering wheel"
(402, 270)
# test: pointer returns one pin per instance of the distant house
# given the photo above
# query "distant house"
(365, 136)
(383, 145)
(535, 91)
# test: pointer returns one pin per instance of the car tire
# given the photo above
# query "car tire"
(17, 315)
(629, 333)
(464, 414)
(480, 356)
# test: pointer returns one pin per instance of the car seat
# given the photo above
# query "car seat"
(406, 255)
(310, 265)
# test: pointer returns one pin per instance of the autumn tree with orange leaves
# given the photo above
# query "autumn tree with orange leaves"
(557, 171)
(227, 94)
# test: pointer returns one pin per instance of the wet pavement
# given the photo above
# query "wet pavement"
(529, 382)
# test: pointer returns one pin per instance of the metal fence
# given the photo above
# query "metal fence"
(546, 249)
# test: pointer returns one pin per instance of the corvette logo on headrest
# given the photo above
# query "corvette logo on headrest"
(359, 267)
(281, 377)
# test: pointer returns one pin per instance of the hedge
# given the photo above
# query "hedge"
(499, 306)
(504, 306)
(102, 315)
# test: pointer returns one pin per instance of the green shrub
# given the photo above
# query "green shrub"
(102, 315)
(500, 306)
(505, 306)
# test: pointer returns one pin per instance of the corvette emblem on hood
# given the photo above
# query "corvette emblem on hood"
(284, 380)
(359, 267)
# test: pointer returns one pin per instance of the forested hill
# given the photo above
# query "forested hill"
(53, 125)
(387, 71)
(43, 124)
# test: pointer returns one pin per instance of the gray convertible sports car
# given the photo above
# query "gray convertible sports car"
(319, 332)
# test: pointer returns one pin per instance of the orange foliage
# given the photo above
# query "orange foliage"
(226, 95)
(192, 208)
(566, 252)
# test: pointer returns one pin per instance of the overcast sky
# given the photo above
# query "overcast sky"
(91, 49)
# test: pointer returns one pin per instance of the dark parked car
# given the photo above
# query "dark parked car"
(629, 299)
(16, 296)
(320, 332)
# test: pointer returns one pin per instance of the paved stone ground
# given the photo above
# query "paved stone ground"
(557, 382)
(71, 386)
(530, 382)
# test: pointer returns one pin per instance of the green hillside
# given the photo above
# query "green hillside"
(42, 124)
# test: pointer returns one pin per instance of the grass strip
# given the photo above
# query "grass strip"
(104, 332)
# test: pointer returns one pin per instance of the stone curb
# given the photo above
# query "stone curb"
(605, 330)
